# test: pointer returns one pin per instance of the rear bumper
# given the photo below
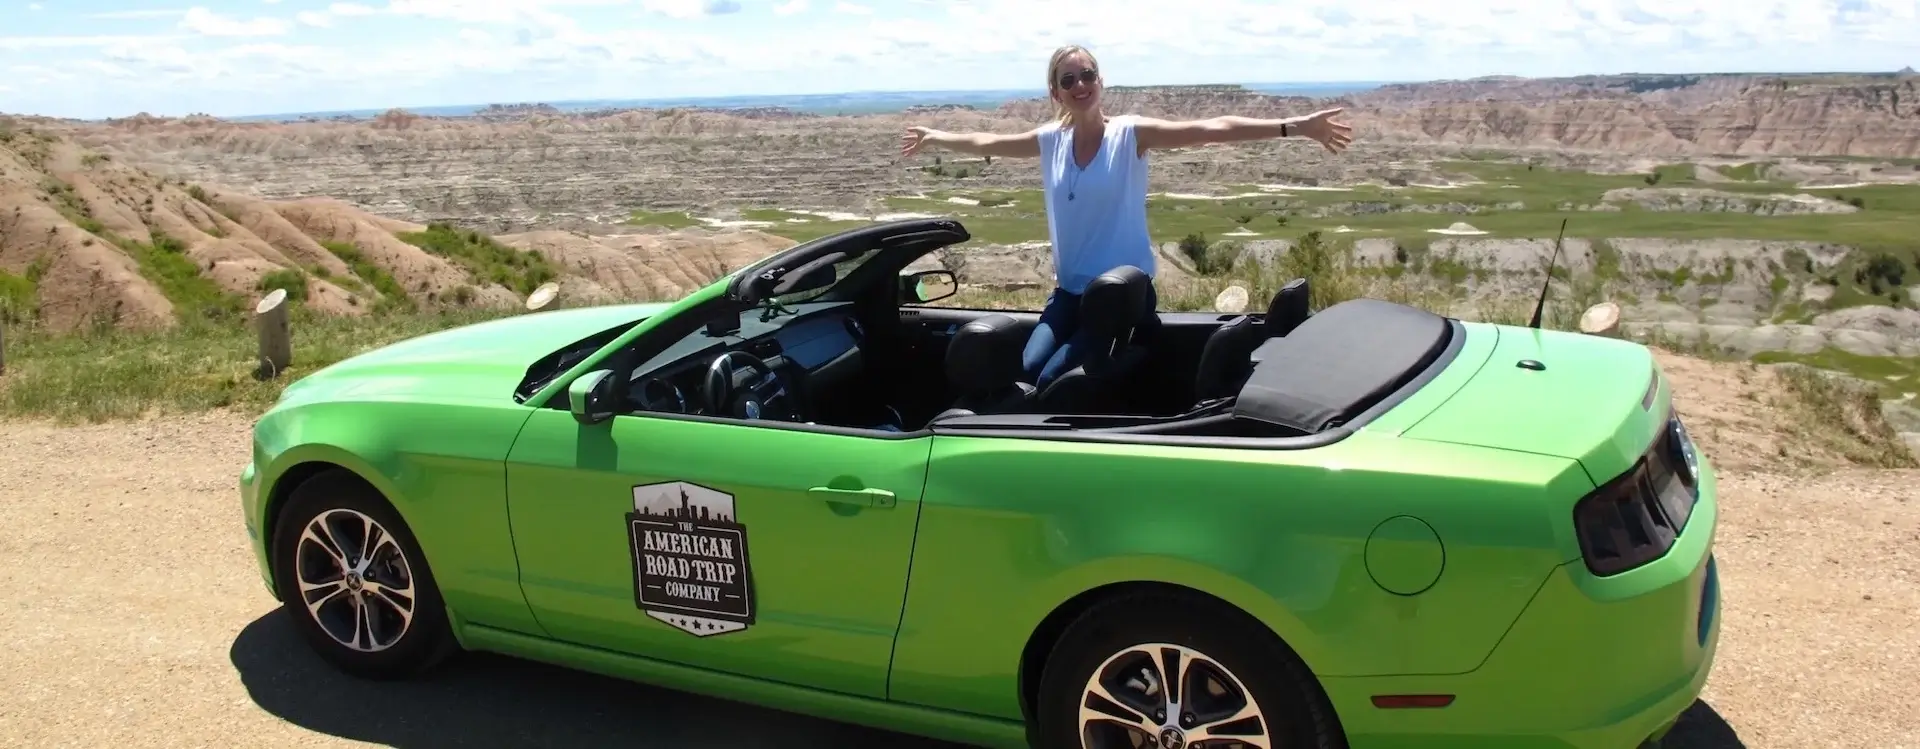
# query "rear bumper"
(1592, 663)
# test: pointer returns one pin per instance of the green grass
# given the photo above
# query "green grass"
(772, 214)
(389, 296)
(488, 260)
(101, 375)
(163, 260)
(668, 219)
(1846, 419)
(292, 280)
(1891, 219)
(1749, 172)
(1894, 377)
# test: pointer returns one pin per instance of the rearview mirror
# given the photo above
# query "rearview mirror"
(591, 397)
(928, 286)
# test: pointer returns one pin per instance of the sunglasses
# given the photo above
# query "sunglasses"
(1087, 76)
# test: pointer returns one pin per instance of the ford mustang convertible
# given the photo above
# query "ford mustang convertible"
(806, 487)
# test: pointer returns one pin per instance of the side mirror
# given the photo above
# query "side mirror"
(928, 286)
(591, 397)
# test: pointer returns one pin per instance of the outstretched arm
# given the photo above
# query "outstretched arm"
(1319, 126)
(1025, 144)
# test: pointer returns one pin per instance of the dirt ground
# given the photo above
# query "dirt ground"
(137, 619)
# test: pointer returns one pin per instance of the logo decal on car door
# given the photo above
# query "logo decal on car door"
(690, 565)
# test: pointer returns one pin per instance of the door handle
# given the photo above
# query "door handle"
(859, 497)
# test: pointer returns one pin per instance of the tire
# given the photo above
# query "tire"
(1114, 637)
(347, 503)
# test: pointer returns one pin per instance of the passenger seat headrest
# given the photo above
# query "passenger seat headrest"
(1288, 308)
(1115, 302)
(985, 353)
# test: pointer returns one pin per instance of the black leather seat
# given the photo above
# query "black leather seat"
(1226, 359)
(1115, 318)
(983, 363)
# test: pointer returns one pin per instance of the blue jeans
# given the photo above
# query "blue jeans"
(1058, 344)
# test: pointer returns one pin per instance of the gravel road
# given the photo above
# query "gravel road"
(137, 619)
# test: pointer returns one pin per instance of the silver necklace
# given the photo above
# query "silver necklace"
(1073, 160)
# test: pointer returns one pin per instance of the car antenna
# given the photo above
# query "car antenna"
(1552, 265)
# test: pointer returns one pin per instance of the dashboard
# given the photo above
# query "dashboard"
(813, 347)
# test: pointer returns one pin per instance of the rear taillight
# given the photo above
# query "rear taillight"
(1634, 519)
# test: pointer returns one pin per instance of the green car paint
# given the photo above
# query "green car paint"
(899, 579)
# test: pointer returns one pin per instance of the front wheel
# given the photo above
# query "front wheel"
(355, 582)
(1162, 671)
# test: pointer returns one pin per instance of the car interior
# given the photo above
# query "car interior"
(842, 335)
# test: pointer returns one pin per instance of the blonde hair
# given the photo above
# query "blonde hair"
(1060, 110)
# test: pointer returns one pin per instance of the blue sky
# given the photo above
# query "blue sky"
(98, 58)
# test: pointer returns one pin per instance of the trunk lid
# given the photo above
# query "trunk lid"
(1596, 400)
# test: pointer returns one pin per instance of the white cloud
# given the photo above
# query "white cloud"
(206, 22)
(481, 50)
(685, 9)
(34, 6)
(13, 43)
(131, 14)
(324, 18)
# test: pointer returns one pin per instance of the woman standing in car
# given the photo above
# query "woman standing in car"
(1093, 174)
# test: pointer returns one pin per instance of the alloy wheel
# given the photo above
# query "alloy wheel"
(355, 580)
(1163, 696)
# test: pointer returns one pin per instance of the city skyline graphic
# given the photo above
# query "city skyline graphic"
(680, 500)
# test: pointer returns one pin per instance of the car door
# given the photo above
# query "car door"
(771, 552)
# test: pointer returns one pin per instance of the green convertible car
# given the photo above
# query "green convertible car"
(803, 486)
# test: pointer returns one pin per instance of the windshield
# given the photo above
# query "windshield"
(840, 271)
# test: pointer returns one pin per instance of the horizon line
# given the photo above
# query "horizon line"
(1031, 91)
(1023, 91)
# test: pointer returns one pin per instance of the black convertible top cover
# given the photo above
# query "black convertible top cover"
(1339, 363)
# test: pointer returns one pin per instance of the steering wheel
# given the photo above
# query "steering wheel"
(754, 400)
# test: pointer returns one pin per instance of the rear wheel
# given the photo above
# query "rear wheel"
(354, 581)
(1168, 671)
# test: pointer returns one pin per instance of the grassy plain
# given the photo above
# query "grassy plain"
(1889, 218)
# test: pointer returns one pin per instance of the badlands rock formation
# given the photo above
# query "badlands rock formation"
(86, 240)
(518, 167)
(1852, 115)
(1669, 115)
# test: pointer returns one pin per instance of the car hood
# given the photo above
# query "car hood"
(1568, 395)
(484, 360)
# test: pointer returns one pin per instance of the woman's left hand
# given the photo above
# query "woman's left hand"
(1336, 135)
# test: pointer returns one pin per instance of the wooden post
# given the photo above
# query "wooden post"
(3, 347)
(276, 340)
(1602, 319)
(1231, 300)
(545, 297)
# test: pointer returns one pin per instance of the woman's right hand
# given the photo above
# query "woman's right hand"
(915, 137)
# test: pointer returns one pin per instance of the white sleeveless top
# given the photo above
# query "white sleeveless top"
(1096, 216)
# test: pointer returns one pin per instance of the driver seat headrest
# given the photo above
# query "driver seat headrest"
(1115, 302)
(984, 354)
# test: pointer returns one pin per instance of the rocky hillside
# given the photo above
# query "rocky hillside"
(539, 171)
(520, 167)
(87, 240)
(1664, 115)
(1670, 115)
